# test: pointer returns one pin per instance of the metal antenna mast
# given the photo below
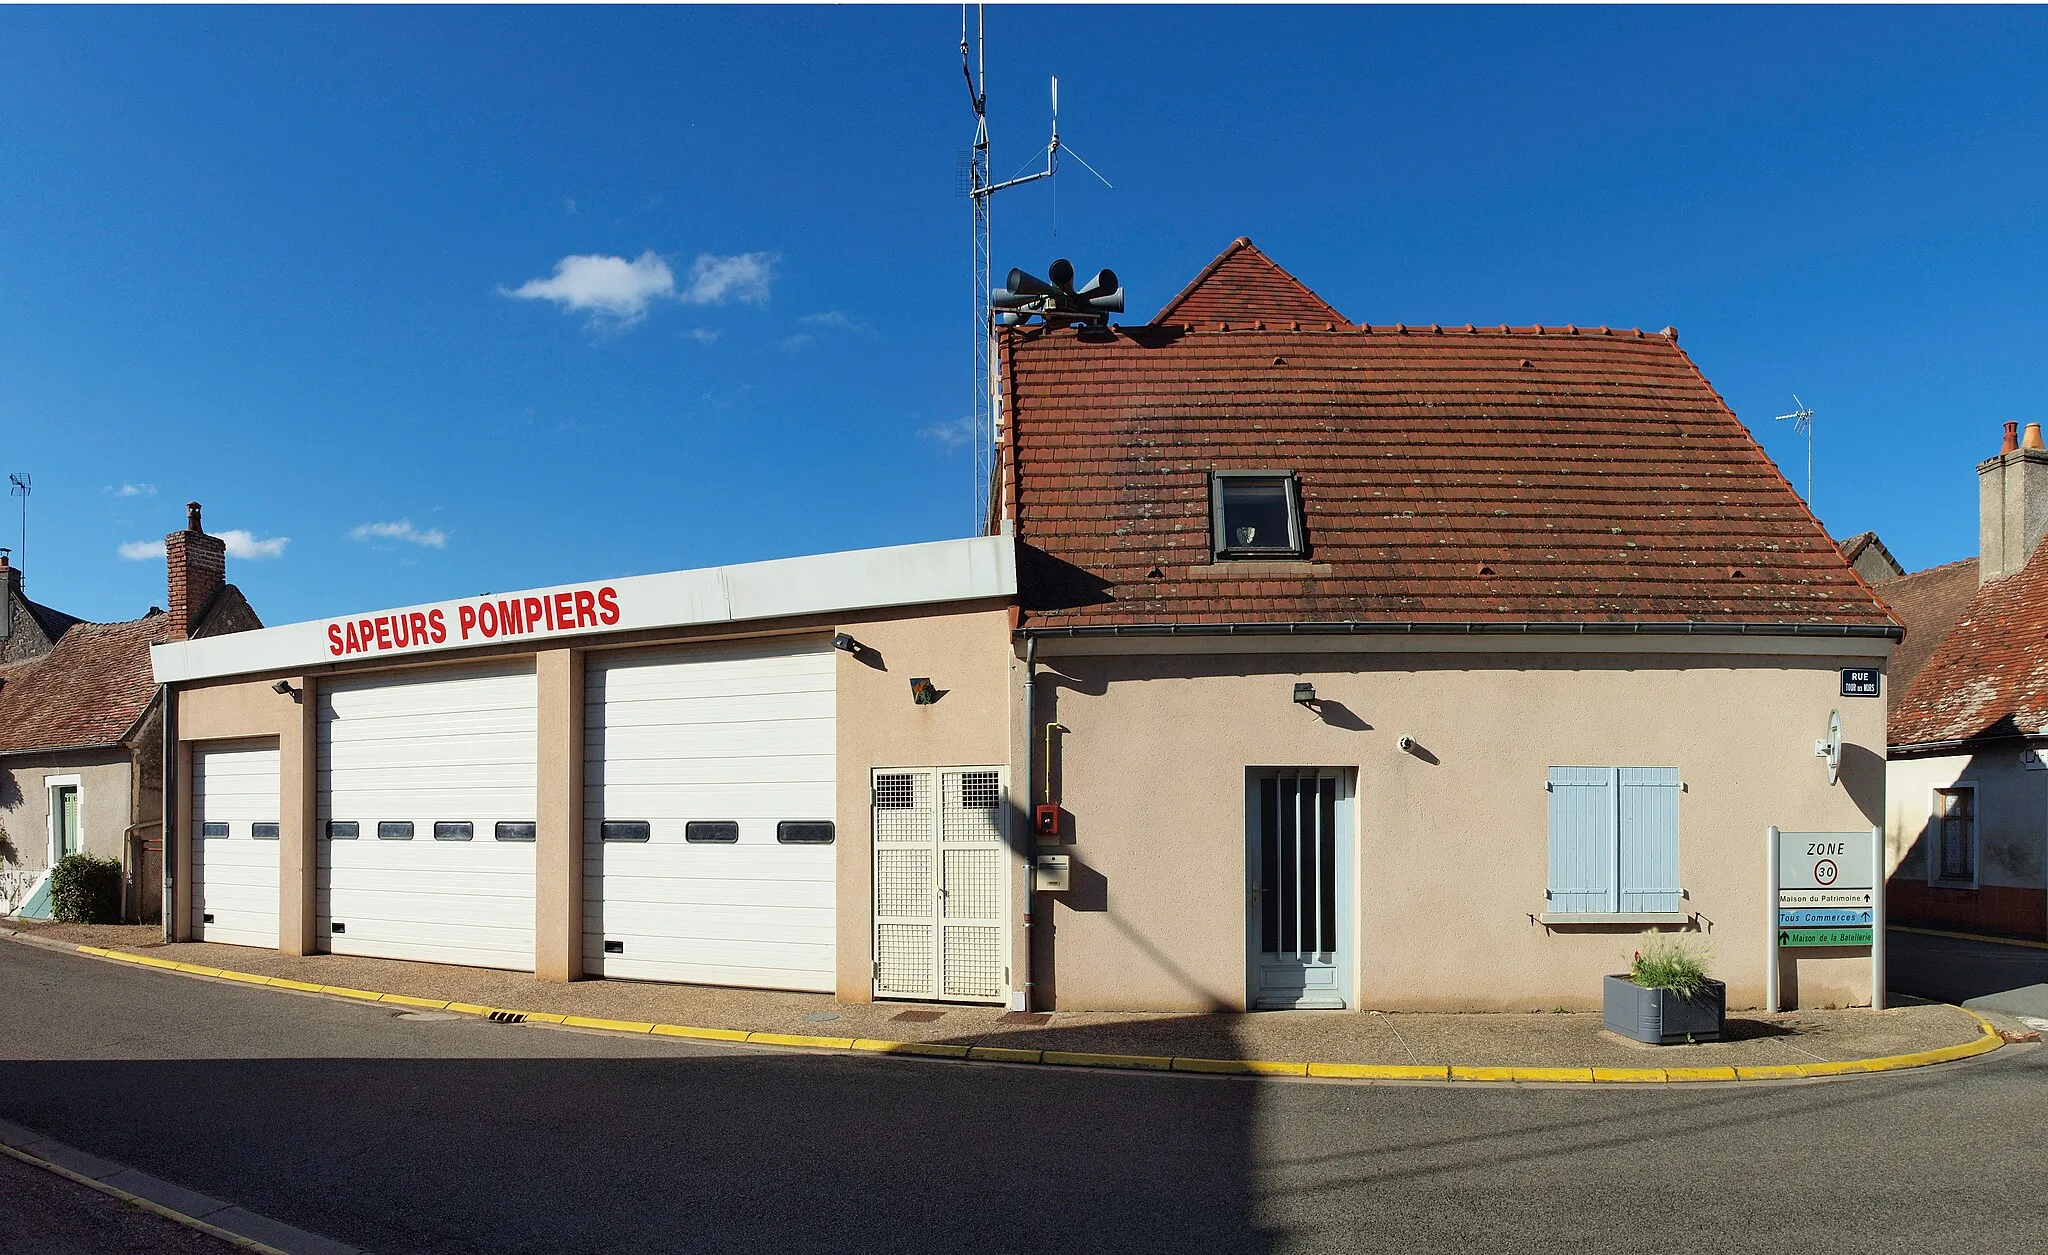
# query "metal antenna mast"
(1802, 422)
(18, 486)
(988, 400)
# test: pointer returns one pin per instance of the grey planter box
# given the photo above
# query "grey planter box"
(1661, 1017)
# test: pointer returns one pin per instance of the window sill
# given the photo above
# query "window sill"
(1238, 568)
(1614, 917)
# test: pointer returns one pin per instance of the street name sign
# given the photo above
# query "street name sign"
(1860, 682)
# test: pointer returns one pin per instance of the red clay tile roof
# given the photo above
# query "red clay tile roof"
(1989, 675)
(1243, 285)
(89, 690)
(1447, 474)
(1928, 603)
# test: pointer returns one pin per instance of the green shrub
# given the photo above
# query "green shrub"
(1669, 965)
(85, 889)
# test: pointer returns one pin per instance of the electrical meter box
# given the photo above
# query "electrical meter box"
(1050, 873)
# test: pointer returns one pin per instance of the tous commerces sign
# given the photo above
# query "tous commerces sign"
(475, 620)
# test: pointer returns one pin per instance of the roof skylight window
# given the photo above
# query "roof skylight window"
(1256, 514)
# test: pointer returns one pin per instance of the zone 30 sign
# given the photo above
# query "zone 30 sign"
(475, 620)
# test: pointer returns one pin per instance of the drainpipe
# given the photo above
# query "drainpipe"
(1020, 999)
(170, 755)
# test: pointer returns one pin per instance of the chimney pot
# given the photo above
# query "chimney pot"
(192, 517)
(2012, 439)
(2032, 438)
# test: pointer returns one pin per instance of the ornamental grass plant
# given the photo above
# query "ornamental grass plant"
(1672, 965)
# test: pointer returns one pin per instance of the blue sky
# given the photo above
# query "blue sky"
(270, 258)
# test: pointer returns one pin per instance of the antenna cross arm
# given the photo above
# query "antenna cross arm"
(1028, 178)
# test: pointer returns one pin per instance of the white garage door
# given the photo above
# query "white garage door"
(709, 791)
(234, 858)
(427, 818)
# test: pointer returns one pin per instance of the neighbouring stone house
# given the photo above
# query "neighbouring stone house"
(81, 738)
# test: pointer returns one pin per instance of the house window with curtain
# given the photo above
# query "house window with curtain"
(1955, 834)
(1613, 841)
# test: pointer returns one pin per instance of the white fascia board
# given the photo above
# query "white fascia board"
(903, 575)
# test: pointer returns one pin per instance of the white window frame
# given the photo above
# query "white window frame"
(55, 839)
(1935, 879)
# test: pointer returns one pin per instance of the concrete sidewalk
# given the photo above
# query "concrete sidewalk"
(1559, 1040)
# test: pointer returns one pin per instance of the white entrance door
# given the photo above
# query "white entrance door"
(941, 884)
(234, 845)
(427, 808)
(710, 790)
(1299, 855)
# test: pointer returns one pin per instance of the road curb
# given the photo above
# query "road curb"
(1469, 1074)
(314, 1243)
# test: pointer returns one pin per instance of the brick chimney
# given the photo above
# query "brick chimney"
(2012, 504)
(199, 566)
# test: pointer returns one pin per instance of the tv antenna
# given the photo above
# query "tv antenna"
(17, 486)
(1801, 419)
(982, 187)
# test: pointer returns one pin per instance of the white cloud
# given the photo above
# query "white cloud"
(837, 319)
(431, 538)
(608, 287)
(743, 277)
(623, 291)
(704, 335)
(796, 343)
(240, 544)
(957, 434)
(132, 490)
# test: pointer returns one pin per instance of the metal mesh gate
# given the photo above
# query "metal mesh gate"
(941, 884)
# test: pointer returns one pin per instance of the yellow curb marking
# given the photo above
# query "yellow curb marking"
(1241, 1067)
(703, 1034)
(1637, 1076)
(1003, 1054)
(798, 1039)
(344, 991)
(1081, 1059)
(937, 1049)
(1694, 1074)
(617, 1026)
(1382, 1071)
(1988, 1041)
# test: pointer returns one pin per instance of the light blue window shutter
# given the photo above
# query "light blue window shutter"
(1582, 810)
(1649, 838)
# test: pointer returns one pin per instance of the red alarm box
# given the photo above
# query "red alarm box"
(1047, 819)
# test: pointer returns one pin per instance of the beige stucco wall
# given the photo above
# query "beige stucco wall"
(1453, 840)
(244, 711)
(966, 654)
(103, 798)
(2012, 842)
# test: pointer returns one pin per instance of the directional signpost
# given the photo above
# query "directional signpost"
(1825, 892)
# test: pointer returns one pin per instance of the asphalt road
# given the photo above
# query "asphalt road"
(452, 1135)
(1984, 975)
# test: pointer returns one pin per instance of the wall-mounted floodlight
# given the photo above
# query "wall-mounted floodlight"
(846, 643)
(1304, 694)
(283, 688)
